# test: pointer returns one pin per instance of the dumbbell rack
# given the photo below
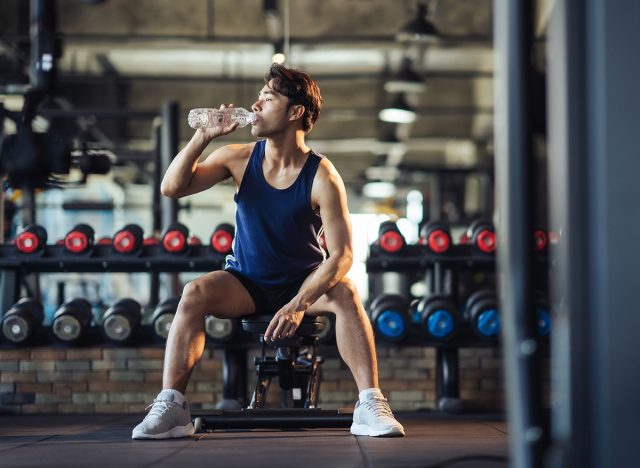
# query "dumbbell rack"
(418, 259)
(103, 258)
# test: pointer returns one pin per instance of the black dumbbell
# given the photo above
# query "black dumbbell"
(328, 332)
(120, 320)
(436, 236)
(222, 238)
(80, 239)
(482, 312)
(129, 239)
(482, 236)
(221, 330)
(71, 320)
(22, 319)
(438, 317)
(163, 317)
(175, 239)
(390, 239)
(389, 314)
(31, 239)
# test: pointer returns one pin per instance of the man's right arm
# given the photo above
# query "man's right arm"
(185, 176)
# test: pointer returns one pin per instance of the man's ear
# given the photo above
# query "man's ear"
(296, 112)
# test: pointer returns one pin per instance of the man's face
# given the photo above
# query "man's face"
(271, 111)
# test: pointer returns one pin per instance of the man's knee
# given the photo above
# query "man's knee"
(344, 293)
(196, 298)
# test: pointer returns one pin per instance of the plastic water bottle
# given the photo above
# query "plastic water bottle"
(207, 118)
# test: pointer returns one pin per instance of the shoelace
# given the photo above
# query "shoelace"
(378, 406)
(159, 407)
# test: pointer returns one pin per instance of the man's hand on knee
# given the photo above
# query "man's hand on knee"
(284, 323)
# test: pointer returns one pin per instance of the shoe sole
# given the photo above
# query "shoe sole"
(364, 430)
(176, 432)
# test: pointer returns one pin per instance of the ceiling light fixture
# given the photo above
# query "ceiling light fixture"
(278, 53)
(419, 29)
(399, 111)
(405, 81)
(379, 189)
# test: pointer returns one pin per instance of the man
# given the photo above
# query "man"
(285, 194)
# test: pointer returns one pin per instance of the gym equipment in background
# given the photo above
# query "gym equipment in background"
(438, 317)
(80, 239)
(389, 315)
(482, 236)
(222, 238)
(72, 320)
(174, 239)
(21, 321)
(129, 239)
(31, 239)
(481, 311)
(121, 320)
(221, 330)
(390, 239)
(162, 318)
(436, 236)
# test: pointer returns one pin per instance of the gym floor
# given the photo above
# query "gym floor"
(433, 440)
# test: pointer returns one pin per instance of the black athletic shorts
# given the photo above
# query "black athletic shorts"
(268, 300)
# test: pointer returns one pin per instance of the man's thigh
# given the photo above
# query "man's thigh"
(224, 294)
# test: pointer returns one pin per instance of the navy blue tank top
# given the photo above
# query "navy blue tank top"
(276, 239)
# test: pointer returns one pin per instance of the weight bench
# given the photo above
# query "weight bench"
(296, 363)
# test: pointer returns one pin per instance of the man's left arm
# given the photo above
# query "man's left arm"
(331, 198)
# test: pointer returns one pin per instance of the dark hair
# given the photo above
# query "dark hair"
(300, 88)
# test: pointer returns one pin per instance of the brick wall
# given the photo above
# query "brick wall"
(125, 380)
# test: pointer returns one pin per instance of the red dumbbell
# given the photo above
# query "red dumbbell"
(129, 239)
(222, 238)
(482, 235)
(31, 239)
(436, 236)
(175, 239)
(390, 239)
(80, 239)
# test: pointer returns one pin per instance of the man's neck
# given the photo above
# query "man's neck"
(286, 150)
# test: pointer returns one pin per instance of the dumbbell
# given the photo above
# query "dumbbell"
(221, 330)
(389, 314)
(540, 240)
(390, 239)
(438, 317)
(222, 238)
(328, 332)
(151, 240)
(71, 320)
(543, 316)
(104, 240)
(436, 236)
(482, 236)
(481, 311)
(163, 317)
(175, 237)
(80, 239)
(120, 320)
(31, 239)
(129, 239)
(22, 319)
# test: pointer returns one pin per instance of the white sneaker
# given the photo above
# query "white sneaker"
(166, 420)
(374, 418)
